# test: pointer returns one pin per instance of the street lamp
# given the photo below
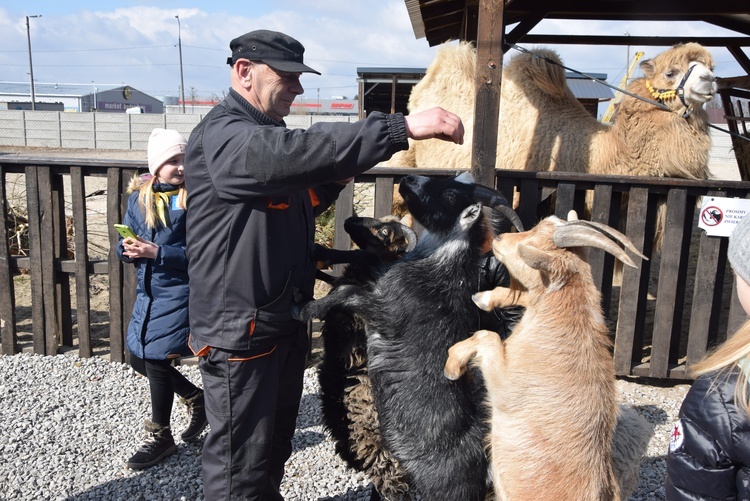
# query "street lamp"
(95, 104)
(627, 61)
(31, 66)
(179, 44)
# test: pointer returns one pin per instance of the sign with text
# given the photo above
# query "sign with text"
(719, 215)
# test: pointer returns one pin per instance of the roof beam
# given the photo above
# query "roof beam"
(632, 40)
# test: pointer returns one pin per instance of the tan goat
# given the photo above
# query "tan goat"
(551, 385)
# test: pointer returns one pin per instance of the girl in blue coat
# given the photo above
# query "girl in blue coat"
(709, 448)
(159, 326)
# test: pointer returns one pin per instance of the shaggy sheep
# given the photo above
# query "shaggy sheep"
(417, 309)
(551, 384)
(349, 412)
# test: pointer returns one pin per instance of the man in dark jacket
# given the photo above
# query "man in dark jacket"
(254, 190)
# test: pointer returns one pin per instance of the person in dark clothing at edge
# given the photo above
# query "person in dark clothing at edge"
(709, 446)
(254, 190)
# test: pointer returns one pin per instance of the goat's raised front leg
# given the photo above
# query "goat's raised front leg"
(484, 346)
(344, 295)
(499, 297)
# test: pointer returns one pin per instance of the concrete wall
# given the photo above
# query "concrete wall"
(106, 131)
(119, 131)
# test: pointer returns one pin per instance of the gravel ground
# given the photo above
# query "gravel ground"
(69, 425)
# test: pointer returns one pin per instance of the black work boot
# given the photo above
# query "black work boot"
(158, 445)
(196, 409)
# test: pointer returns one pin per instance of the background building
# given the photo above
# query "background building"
(388, 89)
(77, 98)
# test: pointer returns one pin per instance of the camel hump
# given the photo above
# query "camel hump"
(542, 70)
(458, 58)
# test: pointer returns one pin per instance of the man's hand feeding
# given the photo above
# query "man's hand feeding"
(435, 123)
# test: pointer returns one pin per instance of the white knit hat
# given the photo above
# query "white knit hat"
(163, 144)
(738, 251)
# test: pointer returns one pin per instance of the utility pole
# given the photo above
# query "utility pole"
(31, 66)
(627, 61)
(179, 44)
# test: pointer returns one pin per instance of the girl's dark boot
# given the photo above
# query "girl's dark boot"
(196, 409)
(158, 445)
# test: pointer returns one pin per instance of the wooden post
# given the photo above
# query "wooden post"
(83, 302)
(344, 209)
(35, 254)
(52, 332)
(8, 335)
(394, 81)
(488, 81)
(116, 332)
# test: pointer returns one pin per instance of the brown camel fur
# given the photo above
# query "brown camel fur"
(542, 126)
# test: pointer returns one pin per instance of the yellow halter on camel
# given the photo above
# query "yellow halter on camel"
(665, 95)
(661, 95)
(160, 199)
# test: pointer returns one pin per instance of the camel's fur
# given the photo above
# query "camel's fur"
(542, 126)
(551, 384)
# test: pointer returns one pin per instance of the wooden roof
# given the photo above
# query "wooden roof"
(441, 20)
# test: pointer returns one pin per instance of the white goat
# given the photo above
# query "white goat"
(551, 385)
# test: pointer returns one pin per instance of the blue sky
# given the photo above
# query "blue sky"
(112, 43)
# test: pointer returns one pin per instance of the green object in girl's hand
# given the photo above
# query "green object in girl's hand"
(125, 231)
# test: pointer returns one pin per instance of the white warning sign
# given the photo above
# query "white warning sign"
(719, 215)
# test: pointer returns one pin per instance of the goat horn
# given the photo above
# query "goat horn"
(574, 235)
(612, 234)
(495, 200)
(411, 238)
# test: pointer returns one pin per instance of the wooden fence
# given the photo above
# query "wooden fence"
(663, 315)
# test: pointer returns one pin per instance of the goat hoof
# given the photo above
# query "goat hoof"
(483, 300)
(453, 368)
(450, 373)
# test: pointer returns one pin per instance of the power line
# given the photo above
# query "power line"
(95, 50)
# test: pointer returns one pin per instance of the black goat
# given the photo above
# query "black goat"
(418, 309)
(349, 412)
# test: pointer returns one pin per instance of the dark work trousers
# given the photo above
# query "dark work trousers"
(163, 382)
(252, 401)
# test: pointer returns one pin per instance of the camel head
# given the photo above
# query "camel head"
(681, 76)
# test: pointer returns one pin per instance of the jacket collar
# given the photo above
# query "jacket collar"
(165, 187)
(258, 115)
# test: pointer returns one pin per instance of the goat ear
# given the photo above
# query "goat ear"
(470, 215)
(535, 258)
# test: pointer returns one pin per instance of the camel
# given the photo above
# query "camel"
(543, 127)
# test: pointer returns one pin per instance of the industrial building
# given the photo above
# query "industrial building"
(388, 89)
(78, 98)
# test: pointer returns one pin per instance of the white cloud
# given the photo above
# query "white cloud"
(137, 45)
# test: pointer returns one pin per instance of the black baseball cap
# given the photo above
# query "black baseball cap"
(277, 50)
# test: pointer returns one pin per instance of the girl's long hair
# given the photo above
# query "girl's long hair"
(733, 354)
(145, 185)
